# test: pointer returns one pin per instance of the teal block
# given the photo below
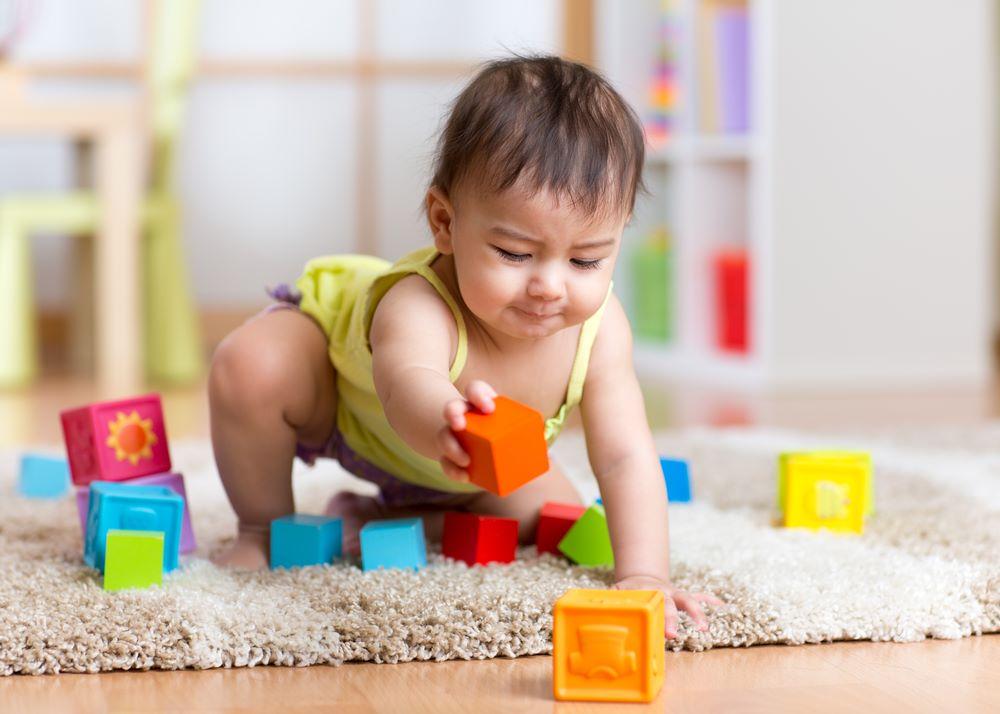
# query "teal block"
(676, 476)
(298, 540)
(395, 543)
(137, 508)
(588, 541)
(43, 476)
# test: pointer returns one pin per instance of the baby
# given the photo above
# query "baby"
(375, 364)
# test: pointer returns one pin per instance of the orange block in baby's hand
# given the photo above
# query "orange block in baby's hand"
(506, 448)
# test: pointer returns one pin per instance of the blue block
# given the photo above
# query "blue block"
(299, 540)
(675, 474)
(43, 476)
(393, 544)
(135, 508)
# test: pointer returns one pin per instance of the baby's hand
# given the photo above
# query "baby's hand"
(673, 599)
(454, 460)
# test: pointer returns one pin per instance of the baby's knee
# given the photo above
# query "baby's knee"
(248, 372)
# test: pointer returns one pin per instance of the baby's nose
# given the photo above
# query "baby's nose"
(545, 287)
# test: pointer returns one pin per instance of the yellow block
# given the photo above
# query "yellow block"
(825, 489)
(608, 645)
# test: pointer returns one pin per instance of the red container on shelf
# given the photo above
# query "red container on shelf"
(730, 268)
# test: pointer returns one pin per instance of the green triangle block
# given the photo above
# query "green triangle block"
(133, 559)
(588, 541)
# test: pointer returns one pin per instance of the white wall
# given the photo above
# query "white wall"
(883, 180)
(267, 167)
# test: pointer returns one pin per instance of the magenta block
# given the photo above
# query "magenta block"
(116, 441)
(174, 481)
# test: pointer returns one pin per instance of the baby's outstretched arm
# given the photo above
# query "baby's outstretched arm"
(624, 460)
(413, 337)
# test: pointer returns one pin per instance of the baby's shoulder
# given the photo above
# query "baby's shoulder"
(412, 302)
(613, 342)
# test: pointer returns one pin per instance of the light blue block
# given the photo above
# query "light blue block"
(393, 544)
(43, 476)
(298, 540)
(678, 480)
(135, 508)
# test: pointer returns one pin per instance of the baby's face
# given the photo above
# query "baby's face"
(529, 266)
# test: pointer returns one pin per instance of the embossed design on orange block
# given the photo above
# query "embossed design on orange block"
(602, 653)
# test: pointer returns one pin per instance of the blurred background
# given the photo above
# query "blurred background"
(818, 244)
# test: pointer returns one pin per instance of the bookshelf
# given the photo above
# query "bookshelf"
(829, 191)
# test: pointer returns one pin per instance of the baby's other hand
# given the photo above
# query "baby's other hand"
(454, 460)
(674, 599)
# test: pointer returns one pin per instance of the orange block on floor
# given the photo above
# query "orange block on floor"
(607, 645)
(506, 448)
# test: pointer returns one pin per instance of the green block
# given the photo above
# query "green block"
(588, 542)
(133, 559)
(651, 272)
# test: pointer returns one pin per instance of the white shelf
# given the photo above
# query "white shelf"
(870, 263)
(667, 362)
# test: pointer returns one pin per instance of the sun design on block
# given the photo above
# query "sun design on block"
(131, 437)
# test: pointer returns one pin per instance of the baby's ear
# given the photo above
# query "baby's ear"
(440, 218)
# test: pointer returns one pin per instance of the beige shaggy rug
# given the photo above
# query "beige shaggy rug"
(927, 566)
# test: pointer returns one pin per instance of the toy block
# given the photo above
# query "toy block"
(174, 481)
(506, 448)
(397, 543)
(608, 645)
(134, 559)
(116, 441)
(138, 508)
(298, 540)
(588, 542)
(677, 478)
(825, 489)
(553, 522)
(479, 539)
(43, 476)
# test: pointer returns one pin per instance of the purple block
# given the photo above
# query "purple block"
(174, 481)
(733, 40)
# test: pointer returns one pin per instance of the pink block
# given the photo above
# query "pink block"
(174, 481)
(116, 441)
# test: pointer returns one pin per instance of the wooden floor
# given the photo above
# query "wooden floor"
(938, 676)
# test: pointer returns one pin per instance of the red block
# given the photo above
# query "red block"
(553, 522)
(116, 441)
(731, 297)
(479, 539)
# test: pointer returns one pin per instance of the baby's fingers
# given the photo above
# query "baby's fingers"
(454, 414)
(451, 449)
(453, 471)
(481, 395)
(669, 618)
(690, 605)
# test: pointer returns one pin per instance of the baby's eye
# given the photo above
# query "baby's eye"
(587, 264)
(512, 257)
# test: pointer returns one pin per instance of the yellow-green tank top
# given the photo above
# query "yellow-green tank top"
(341, 292)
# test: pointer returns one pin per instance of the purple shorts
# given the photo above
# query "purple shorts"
(393, 492)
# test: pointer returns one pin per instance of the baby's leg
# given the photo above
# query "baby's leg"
(271, 386)
(525, 503)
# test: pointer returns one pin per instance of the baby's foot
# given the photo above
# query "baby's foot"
(250, 551)
(355, 510)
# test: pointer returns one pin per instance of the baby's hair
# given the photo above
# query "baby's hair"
(542, 122)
